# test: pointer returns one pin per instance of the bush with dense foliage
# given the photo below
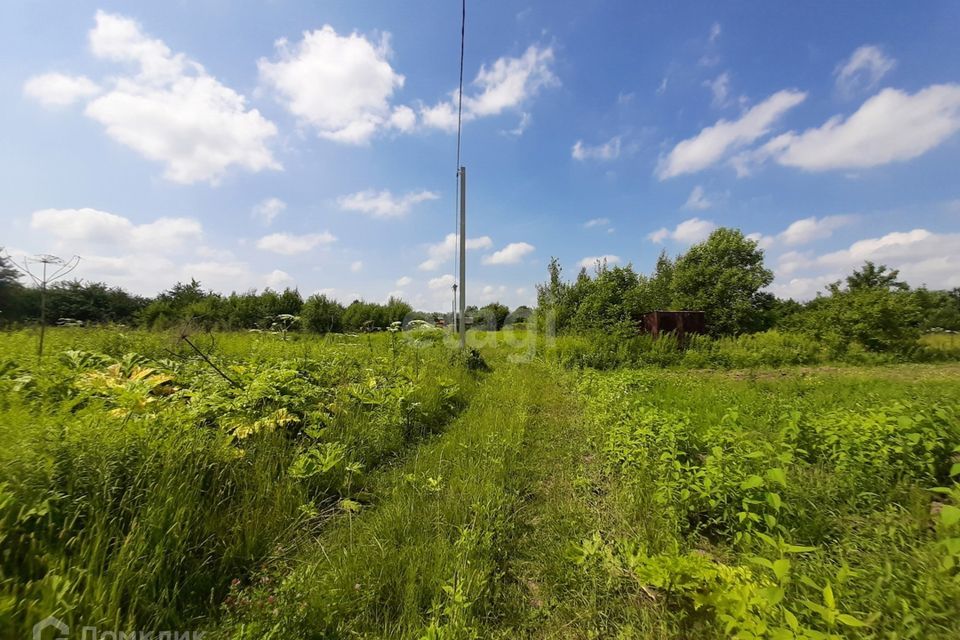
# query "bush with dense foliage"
(725, 277)
(722, 276)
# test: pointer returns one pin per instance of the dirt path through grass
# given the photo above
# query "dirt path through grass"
(567, 498)
(432, 554)
(477, 533)
(562, 500)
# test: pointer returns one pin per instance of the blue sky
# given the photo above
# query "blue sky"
(309, 144)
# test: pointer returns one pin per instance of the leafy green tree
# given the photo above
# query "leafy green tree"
(370, 315)
(574, 296)
(491, 316)
(779, 313)
(941, 309)
(359, 315)
(871, 276)
(185, 303)
(660, 286)
(322, 314)
(613, 297)
(609, 301)
(519, 317)
(396, 310)
(182, 295)
(878, 318)
(722, 276)
(245, 311)
(92, 302)
(874, 310)
(8, 273)
(553, 302)
(11, 291)
(274, 304)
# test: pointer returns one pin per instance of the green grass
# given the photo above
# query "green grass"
(426, 556)
(943, 341)
(708, 478)
(374, 486)
(134, 490)
(769, 349)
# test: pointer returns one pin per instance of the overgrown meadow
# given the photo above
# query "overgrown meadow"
(262, 485)
(139, 481)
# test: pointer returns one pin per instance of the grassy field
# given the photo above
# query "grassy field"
(385, 486)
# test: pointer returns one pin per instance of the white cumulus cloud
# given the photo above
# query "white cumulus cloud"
(172, 111)
(278, 279)
(922, 257)
(290, 244)
(510, 254)
(802, 288)
(713, 143)
(59, 90)
(341, 85)
(813, 228)
(506, 84)
(687, 232)
(403, 119)
(383, 204)
(443, 251)
(441, 282)
(87, 227)
(763, 241)
(892, 126)
(899, 249)
(142, 257)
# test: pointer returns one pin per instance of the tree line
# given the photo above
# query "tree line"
(725, 277)
(78, 302)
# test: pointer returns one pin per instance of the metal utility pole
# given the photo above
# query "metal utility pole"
(463, 257)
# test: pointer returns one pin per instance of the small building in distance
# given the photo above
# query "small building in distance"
(680, 323)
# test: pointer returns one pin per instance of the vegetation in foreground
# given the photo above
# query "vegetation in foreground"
(376, 486)
(774, 506)
(138, 480)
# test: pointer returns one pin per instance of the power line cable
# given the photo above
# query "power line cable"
(463, 26)
(456, 217)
